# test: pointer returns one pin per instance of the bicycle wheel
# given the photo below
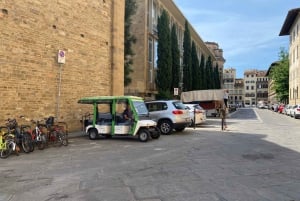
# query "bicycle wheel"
(27, 143)
(9, 147)
(42, 142)
(62, 138)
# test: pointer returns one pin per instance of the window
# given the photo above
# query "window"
(155, 53)
(150, 50)
(154, 17)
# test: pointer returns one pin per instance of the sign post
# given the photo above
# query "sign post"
(61, 59)
(175, 91)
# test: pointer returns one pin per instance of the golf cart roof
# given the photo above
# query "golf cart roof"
(106, 99)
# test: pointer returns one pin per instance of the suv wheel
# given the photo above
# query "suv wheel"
(165, 127)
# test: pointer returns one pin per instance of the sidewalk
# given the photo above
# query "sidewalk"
(76, 134)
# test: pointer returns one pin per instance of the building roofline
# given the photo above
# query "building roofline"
(289, 21)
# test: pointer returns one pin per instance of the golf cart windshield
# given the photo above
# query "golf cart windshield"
(140, 108)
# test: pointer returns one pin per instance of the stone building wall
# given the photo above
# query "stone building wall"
(32, 33)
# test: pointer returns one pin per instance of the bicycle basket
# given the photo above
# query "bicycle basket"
(50, 121)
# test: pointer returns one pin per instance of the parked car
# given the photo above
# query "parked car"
(280, 108)
(197, 114)
(286, 109)
(169, 115)
(295, 111)
(274, 107)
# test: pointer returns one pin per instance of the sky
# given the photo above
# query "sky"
(246, 30)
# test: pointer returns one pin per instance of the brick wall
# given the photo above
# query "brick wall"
(32, 32)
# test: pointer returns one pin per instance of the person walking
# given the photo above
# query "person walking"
(223, 118)
(226, 94)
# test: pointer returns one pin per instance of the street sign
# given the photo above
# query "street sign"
(61, 57)
(175, 91)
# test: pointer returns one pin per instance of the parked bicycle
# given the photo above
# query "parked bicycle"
(57, 132)
(38, 136)
(7, 143)
(21, 133)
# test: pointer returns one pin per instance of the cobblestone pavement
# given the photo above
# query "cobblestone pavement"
(256, 159)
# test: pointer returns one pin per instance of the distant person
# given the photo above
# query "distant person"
(223, 117)
(226, 94)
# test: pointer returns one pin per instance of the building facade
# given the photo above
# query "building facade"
(271, 92)
(238, 93)
(256, 87)
(262, 81)
(214, 47)
(235, 87)
(250, 87)
(291, 27)
(229, 75)
(89, 35)
(144, 28)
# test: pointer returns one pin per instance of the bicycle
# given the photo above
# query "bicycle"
(38, 136)
(21, 133)
(7, 144)
(57, 134)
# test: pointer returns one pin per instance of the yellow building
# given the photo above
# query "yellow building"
(54, 52)
(144, 28)
(291, 27)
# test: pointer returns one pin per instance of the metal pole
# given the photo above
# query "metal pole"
(59, 92)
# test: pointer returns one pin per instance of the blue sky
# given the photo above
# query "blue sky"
(246, 30)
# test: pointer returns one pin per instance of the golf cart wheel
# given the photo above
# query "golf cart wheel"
(143, 135)
(93, 134)
(155, 134)
(165, 127)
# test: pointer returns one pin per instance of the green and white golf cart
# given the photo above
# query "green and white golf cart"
(107, 118)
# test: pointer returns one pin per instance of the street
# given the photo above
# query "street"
(256, 159)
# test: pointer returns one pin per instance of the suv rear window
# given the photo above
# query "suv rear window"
(179, 105)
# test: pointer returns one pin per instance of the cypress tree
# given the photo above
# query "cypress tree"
(164, 60)
(217, 77)
(208, 73)
(202, 73)
(187, 60)
(195, 68)
(175, 59)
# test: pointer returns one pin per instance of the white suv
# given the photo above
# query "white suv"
(169, 115)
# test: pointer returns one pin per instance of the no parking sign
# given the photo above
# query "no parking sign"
(61, 58)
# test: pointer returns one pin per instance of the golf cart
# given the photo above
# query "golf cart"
(107, 118)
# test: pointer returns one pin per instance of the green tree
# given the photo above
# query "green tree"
(187, 59)
(202, 73)
(195, 68)
(129, 39)
(280, 76)
(164, 56)
(175, 59)
(208, 73)
(217, 77)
